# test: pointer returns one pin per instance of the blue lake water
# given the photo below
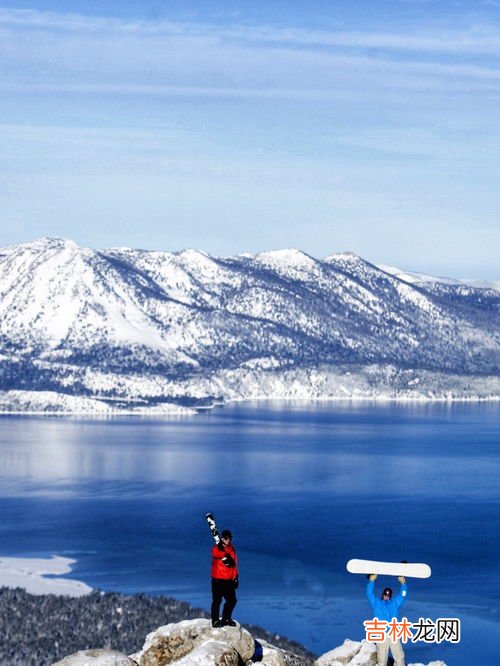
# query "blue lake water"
(303, 486)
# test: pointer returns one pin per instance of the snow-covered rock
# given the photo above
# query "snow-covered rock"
(340, 655)
(197, 643)
(176, 641)
(357, 653)
(271, 655)
(367, 655)
(129, 330)
(96, 658)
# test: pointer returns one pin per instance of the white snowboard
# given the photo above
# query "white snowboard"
(409, 570)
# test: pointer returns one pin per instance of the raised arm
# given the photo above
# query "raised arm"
(370, 586)
(403, 592)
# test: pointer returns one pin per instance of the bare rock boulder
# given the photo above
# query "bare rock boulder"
(350, 653)
(173, 642)
(367, 655)
(340, 655)
(96, 657)
(357, 653)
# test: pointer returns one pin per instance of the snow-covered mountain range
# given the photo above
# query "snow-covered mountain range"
(86, 330)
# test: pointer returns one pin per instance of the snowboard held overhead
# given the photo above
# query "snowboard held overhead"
(406, 569)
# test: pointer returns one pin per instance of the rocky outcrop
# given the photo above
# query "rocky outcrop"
(171, 643)
(357, 653)
(340, 655)
(197, 643)
(351, 653)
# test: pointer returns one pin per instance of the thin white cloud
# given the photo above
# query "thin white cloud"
(477, 41)
(71, 53)
(391, 126)
(482, 39)
(398, 91)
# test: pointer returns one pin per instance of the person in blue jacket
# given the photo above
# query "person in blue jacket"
(386, 608)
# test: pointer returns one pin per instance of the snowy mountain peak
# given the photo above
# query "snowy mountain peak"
(343, 256)
(50, 243)
(286, 257)
(129, 323)
(38, 246)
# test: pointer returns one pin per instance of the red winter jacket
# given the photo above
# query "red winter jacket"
(219, 569)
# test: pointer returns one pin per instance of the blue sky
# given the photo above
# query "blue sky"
(238, 127)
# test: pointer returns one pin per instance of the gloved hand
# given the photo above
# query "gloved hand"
(220, 546)
(402, 580)
(228, 561)
(373, 577)
(236, 582)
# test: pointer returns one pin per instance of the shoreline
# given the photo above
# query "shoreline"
(193, 411)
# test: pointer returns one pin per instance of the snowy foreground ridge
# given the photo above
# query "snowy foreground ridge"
(130, 330)
(196, 643)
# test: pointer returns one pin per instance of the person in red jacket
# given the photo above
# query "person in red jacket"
(224, 580)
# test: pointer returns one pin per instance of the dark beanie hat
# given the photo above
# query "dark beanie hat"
(226, 534)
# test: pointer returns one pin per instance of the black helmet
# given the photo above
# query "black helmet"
(387, 592)
(226, 534)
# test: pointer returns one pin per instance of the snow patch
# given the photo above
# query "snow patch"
(29, 574)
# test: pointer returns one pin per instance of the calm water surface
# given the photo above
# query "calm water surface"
(304, 487)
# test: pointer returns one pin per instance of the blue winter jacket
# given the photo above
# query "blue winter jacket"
(386, 610)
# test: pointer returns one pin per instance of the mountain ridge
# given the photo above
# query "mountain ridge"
(125, 325)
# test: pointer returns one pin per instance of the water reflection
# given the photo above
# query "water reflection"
(336, 451)
(304, 488)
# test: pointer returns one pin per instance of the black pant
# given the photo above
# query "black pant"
(223, 589)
